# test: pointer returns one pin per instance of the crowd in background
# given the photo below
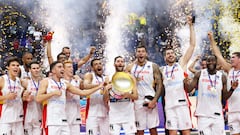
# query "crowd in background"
(21, 32)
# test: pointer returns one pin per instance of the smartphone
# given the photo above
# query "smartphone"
(193, 16)
(193, 19)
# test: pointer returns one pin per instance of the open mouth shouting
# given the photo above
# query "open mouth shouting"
(141, 58)
(62, 72)
(99, 71)
(15, 71)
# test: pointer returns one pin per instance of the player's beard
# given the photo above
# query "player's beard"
(119, 69)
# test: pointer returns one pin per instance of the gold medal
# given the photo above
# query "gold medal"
(169, 79)
(101, 92)
(213, 89)
(138, 79)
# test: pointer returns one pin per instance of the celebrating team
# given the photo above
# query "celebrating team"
(33, 105)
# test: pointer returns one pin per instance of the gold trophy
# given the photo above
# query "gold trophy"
(121, 82)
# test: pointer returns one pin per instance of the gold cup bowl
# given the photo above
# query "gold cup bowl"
(121, 82)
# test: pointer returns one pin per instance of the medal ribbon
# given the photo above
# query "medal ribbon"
(234, 77)
(211, 82)
(135, 70)
(11, 86)
(166, 73)
(35, 85)
(99, 82)
(60, 84)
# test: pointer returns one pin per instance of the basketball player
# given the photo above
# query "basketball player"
(233, 70)
(32, 109)
(149, 85)
(11, 106)
(212, 84)
(53, 90)
(121, 111)
(176, 101)
(73, 100)
(97, 119)
(24, 69)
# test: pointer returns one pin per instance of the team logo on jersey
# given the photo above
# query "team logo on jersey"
(201, 133)
(137, 123)
(25, 132)
(169, 124)
(111, 127)
(90, 132)
(148, 66)
(230, 127)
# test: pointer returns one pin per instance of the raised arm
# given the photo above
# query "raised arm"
(157, 75)
(188, 54)
(225, 65)
(42, 94)
(87, 57)
(80, 92)
(49, 51)
(192, 66)
(190, 86)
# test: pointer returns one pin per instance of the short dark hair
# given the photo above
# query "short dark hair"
(53, 65)
(204, 59)
(142, 46)
(33, 62)
(12, 59)
(117, 58)
(65, 47)
(25, 53)
(58, 56)
(237, 54)
(211, 56)
(95, 59)
(166, 49)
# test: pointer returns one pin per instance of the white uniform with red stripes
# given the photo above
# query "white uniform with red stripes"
(145, 118)
(11, 120)
(176, 101)
(209, 104)
(56, 115)
(233, 103)
(33, 116)
(121, 114)
(97, 121)
(73, 109)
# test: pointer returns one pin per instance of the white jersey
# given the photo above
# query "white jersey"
(209, 95)
(121, 110)
(145, 81)
(95, 101)
(234, 99)
(24, 73)
(33, 110)
(12, 110)
(56, 114)
(175, 94)
(73, 105)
